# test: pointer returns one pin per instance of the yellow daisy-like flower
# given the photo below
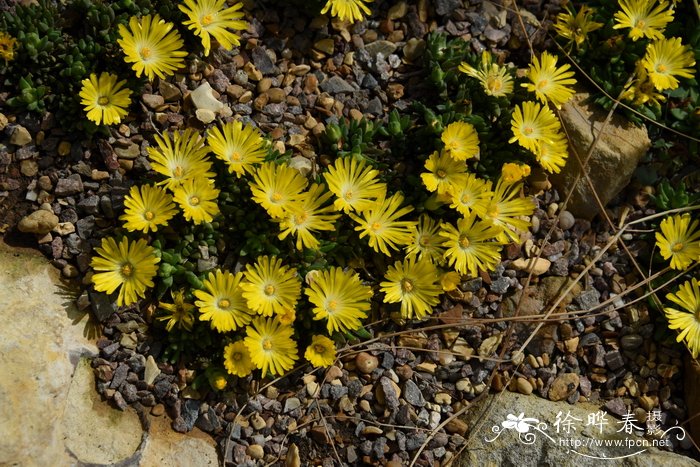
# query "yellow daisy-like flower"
(513, 173)
(222, 303)
(321, 351)
(347, 10)
(495, 79)
(679, 240)
(644, 18)
(179, 312)
(667, 58)
(549, 82)
(181, 158)
(339, 297)
(552, 154)
(153, 46)
(104, 99)
(146, 208)
(307, 216)
(217, 379)
(237, 359)
(355, 184)
(414, 285)
(7, 47)
(426, 244)
(642, 91)
(270, 287)
(197, 199)
(575, 28)
(287, 317)
(444, 174)
(240, 146)
(210, 18)
(505, 209)
(472, 245)
(461, 141)
(532, 123)
(472, 192)
(687, 319)
(275, 187)
(129, 267)
(271, 346)
(450, 280)
(380, 223)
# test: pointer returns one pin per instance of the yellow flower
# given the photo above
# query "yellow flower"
(129, 267)
(197, 199)
(426, 244)
(179, 312)
(339, 297)
(104, 99)
(237, 359)
(355, 184)
(271, 346)
(643, 90)
(146, 208)
(222, 303)
(240, 146)
(576, 28)
(461, 141)
(549, 82)
(450, 280)
(667, 58)
(7, 47)
(473, 192)
(644, 17)
(505, 209)
(679, 240)
(687, 319)
(495, 79)
(307, 216)
(552, 154)
(182, 158)
(321, 351)
(533, 123)
(513, 173)
(270, 287)
(472, 245)
(380, 223)
(444, 173)
(347, 10)
(152, 45)
(414, 285)
(275, 187)
(216, 378)
(208, 17)
(287, 317)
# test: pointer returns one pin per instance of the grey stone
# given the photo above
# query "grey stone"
(69, 186)
(500, 285)
(588, 299)
(614, 360)
(102, 306)
(90, 205)
(413, 395)
(190, 413)
(85, 226)
(262, 61)
(385, 48)
(446, 7)
(374, 106)
(335, 85)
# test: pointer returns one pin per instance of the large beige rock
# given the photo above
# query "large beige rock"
(613, 161)
(484, 447)
(39, 222)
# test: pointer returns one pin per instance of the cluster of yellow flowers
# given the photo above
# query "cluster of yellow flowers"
(154, 48)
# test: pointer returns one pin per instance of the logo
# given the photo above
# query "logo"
(564, 432)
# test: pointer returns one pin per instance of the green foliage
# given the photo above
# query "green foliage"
(668, 197)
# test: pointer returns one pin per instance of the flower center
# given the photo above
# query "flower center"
(237, 357)
(494, 84)
(103, 100)
(406, 285)
(207, 20)
(194, 201)
(149, 215)
(301, 218)
(266, 344)
(464, 241)
(465, 199)
(528, 130)
(332, 305)
(349, 194)
(236, 156)
(677, 247)
(127, 270)
(276, 197)
(542, 84)
(441, 173)
(319, 349)
(424, 240)
(640, 24)
(224, 303)
(269, 290)
(661, 68)
(145, 53)
(376, 226)
(493, 212)
(178, 171)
